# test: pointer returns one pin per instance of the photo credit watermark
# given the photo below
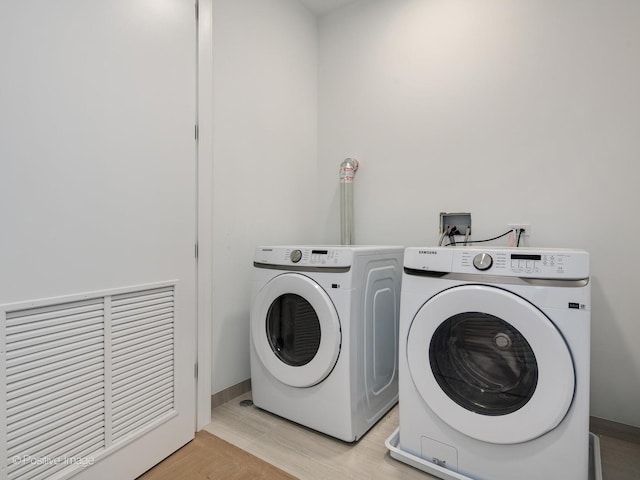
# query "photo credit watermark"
(66, 461)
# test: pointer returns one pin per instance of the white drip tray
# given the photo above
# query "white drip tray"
(595, 466)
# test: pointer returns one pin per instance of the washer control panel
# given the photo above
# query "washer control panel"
(520, 264)
(516, 262)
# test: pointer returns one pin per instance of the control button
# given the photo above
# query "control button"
(296, 256)
(483, 261)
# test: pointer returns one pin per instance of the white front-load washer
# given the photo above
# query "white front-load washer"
(494, 362)
(324, 335)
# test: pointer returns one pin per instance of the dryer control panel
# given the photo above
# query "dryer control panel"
(516, 262)
(304, 256)
(301, 257)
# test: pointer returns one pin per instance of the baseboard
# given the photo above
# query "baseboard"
(230, 393)
(621, 431)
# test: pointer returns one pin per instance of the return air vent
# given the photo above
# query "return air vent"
(82, 374)
(55, 386)
(142, 342)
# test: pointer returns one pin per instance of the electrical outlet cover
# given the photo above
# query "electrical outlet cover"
(518, 226)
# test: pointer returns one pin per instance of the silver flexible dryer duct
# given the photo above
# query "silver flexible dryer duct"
(348, 170)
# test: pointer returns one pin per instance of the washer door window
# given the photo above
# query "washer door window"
(295, 330)
(490, 364)
(483, 363)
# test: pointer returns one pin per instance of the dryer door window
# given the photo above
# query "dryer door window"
(490, 364)
(293, 330)
(483, 363)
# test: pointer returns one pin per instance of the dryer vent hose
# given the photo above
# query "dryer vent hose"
(348, 170)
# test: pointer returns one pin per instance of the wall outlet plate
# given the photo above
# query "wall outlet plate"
(519, 226)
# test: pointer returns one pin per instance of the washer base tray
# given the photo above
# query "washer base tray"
(595, 465)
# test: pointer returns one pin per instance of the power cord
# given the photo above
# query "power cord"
(486, 240)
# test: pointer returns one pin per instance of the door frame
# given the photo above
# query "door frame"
(204, 234)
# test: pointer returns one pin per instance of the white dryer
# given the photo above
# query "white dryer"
(494, 362)
(324, 335)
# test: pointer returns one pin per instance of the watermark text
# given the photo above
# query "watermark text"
(52, 461)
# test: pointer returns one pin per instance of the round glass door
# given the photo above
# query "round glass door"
(483, 363)
(490, 364)
(295, 330)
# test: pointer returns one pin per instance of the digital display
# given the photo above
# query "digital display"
(523, 256)
(319, 252)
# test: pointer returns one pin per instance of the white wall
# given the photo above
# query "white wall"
(523, 111)
(265, 151)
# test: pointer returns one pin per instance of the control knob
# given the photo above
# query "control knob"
(296, 256)
(483, 261)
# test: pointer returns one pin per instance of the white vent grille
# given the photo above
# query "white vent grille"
(54, 387)
(81, 374)
(142, 342)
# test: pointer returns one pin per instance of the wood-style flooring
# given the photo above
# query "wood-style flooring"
(248, 443)
(309, 455)
(210, 458)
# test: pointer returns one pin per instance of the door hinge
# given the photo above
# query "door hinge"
(197, 12)
(195, 371)
(196, 250)
(195, 131)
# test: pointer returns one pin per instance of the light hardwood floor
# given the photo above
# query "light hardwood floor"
(309, 455)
